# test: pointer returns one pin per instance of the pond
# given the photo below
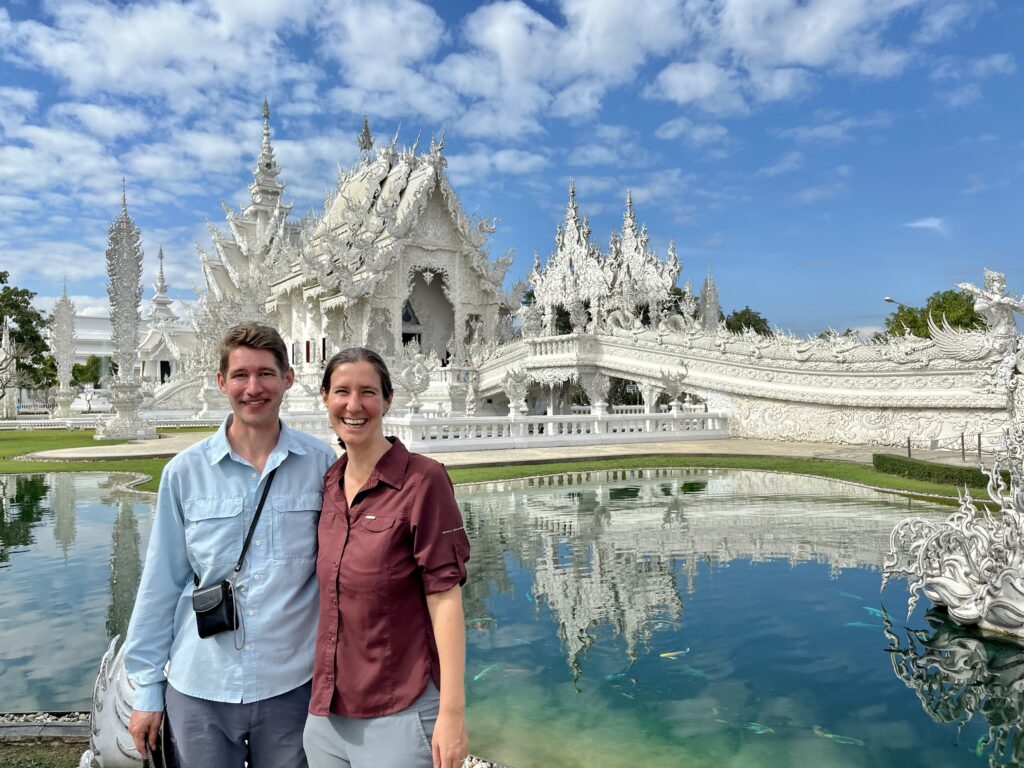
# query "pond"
(660, 617)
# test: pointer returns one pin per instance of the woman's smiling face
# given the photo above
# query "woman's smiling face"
(355, 403)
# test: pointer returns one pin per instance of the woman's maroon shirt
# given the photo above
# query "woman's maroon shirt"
(402, 539)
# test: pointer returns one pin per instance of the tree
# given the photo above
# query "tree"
(956, 306)
(27, 324)
(739, 319)
(91, 371)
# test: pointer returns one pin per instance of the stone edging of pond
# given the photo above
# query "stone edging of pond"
(73, 728)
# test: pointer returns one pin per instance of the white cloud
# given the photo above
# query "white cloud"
(789, 162)
(933, 223)
(835, 131)
(820, 193)
(102, 121)
(701, 83)
(961, 96)
(481, 163)
(995, 64)
(939, 21)
(180, 53)
(695, 134)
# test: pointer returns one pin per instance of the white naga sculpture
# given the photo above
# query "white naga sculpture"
(972, 564)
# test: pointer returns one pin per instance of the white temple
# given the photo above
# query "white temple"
(393, 262)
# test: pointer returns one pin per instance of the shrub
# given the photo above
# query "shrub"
(931, 472)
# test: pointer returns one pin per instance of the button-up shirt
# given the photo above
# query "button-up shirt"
(401, 539)
(206, 502)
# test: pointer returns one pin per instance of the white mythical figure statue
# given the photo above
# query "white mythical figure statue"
(972, 563)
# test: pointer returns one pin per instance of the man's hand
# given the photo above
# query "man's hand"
(144, 727)
(450, 744)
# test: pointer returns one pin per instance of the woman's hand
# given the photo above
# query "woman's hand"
(450, 743)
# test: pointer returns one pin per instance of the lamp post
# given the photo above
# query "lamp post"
(891, 300)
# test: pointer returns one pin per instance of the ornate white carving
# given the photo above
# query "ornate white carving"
(62, 345)
(973, 562)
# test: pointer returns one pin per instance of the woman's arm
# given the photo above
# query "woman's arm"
(450, 743)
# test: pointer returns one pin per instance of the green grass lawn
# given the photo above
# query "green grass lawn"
(15, 443)
(54, 755)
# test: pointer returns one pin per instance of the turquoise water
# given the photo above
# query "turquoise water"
(659, 618)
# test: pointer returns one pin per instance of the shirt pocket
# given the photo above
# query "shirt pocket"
(213, 530)
(295, 522)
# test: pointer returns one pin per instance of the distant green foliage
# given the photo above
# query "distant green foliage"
(91, 371)
(739, 319)
(956, 306)
(930, 472)
(27, 324)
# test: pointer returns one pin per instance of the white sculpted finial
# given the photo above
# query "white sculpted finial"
(993, 304)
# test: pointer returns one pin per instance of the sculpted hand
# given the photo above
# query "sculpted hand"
(144, 727)
(450, 743)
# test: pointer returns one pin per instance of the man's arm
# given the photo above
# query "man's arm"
(450, 743)
(151, 630)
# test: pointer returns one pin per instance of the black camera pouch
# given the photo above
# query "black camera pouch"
(215, 609)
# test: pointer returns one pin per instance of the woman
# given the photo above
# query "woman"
(388, 674)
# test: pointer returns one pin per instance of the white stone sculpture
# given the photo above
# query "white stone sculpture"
(62, 345)
(110, 744)
(972, 563)
(124, 290)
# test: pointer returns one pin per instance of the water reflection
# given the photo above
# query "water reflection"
(64, 595)
(125, 569)
(23, 508)
(956, 673)
(605, 547)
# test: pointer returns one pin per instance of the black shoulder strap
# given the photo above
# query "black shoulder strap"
(255, 519)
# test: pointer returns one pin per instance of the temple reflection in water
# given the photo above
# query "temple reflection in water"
(605, 547)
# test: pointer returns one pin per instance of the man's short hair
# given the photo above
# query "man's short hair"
(253, 336)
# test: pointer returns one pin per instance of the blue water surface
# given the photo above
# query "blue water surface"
(630, 618)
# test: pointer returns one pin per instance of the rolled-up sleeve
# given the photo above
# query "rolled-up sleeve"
(440, 544)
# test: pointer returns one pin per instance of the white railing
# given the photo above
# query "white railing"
(468, 433)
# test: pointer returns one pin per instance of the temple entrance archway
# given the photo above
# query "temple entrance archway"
(431, 316)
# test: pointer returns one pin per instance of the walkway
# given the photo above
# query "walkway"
(170, 445)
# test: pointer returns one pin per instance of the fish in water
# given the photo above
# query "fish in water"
(979, 748)
(880, 613)
(479, 675)
(758, 728)
(819, 731)
(849, 595)
(674, 654)
(863, 625)
(480, 621)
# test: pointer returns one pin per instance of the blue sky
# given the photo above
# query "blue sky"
(818, 154)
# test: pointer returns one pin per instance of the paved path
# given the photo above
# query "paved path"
(170, 445)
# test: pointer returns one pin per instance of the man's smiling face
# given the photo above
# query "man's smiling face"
(255, 386)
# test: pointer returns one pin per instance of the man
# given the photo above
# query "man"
(240, 695)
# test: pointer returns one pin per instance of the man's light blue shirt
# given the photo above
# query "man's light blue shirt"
(205, 504)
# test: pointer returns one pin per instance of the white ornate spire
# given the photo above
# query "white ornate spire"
(366, 139)
(709, 305)
(266, 189)
(63, 337)
(124, 289)
(160, 305)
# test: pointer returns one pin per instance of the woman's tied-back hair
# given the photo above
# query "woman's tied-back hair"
(355, 355)
(253, 336)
